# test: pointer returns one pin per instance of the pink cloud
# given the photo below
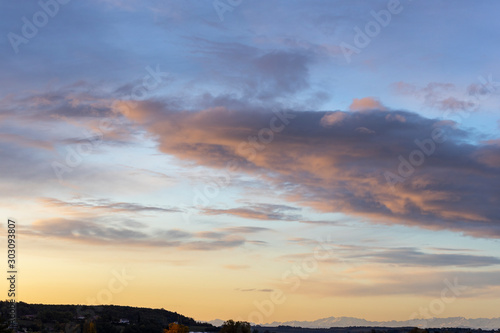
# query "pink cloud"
(366, 103)
(333, 118)
(341, 168)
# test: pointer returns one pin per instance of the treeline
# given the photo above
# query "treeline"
(361, 329)
(104, 318)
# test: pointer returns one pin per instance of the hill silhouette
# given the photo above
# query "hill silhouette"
(107, 318)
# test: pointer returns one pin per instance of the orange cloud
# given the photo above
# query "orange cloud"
(366, 103)
(341, 168)
(333, 118)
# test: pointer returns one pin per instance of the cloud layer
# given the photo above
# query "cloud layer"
(390, 166)
(100, 231)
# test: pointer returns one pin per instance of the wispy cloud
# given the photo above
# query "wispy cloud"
(100, 232)
(259, 212)
(107, 205)
(257, 290)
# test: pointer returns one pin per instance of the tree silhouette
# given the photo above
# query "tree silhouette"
(418, 330)
(231, 326)
(4, 326)
(89, 327)
(176, 328)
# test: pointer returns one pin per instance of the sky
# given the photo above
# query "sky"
(256, 160)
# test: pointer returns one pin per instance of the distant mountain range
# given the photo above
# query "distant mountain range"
(483, 323)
